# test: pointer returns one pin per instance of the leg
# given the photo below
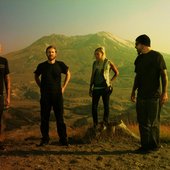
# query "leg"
(1, 111)
(45, 115)
(95, 102)
(106, 99)
(57, 101)
(143, 120)
(154, 109)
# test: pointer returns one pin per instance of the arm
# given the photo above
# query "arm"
(164, 95)
(37, 80)
(135, 86)
(8, 89)
(91, 81)
(67, 79)
(115, 70)
(91, 86)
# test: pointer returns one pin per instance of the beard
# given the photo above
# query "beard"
(51, 58)
(138, 52)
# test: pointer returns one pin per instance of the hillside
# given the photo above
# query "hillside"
(77, 53)
(109, 149)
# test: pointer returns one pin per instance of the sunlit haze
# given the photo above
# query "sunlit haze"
(23, 21)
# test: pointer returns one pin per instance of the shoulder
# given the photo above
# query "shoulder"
(64, 68)
(42, 64)
(156, 54)
(108, 61)
(2, 59)
(60, 62)
(94, 62)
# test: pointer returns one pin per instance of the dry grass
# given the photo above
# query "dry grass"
(164, 131)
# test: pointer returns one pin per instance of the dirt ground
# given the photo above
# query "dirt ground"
(22, 154)
(114, 153)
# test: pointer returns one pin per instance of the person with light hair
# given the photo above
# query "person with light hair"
(101, 84)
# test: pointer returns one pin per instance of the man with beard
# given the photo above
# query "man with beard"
(149, 68)
(4, 80)
(52, 94)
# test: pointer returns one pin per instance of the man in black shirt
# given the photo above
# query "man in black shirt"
(4, 80)
(52, 94)
(149, 67)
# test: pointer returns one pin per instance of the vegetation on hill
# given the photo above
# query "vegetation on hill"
(77, 53)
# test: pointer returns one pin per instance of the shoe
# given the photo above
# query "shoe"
(103, 126)
(142, 150)
(2, 148)
(156, 148)
(63, 142)
(100, 128)
(43, 143)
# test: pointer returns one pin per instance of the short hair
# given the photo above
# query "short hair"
(144, 39)
(49, 47)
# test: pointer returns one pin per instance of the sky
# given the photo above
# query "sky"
(24, 21)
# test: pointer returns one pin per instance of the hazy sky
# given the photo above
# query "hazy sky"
(24, 21)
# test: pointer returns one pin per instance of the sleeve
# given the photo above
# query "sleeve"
(38, 70)
(135, 64)
(64, 68)
(6, 67)
(161, 63)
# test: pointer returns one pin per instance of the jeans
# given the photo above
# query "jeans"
(148, 116)
(55, 101)
(1, 110)
(95, 101)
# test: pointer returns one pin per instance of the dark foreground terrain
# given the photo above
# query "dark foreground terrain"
(108, 152)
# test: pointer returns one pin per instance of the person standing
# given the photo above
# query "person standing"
(101, 84)
(149, 68)
(52, 94)
(4, 80)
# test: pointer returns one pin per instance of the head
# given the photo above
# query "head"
(51, 53)
(100, 53)
(142, 42)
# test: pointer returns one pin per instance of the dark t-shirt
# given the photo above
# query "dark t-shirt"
(148, 68)
(51, 76)
(4, 70)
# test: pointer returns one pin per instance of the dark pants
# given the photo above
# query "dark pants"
(48, 101)
(1, 110)
(95, 101)
(148, 116)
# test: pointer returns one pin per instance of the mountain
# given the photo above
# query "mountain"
(77, 52)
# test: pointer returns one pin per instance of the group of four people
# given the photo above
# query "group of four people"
(149, 67)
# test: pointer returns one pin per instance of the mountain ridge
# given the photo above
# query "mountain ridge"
(78, 53)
